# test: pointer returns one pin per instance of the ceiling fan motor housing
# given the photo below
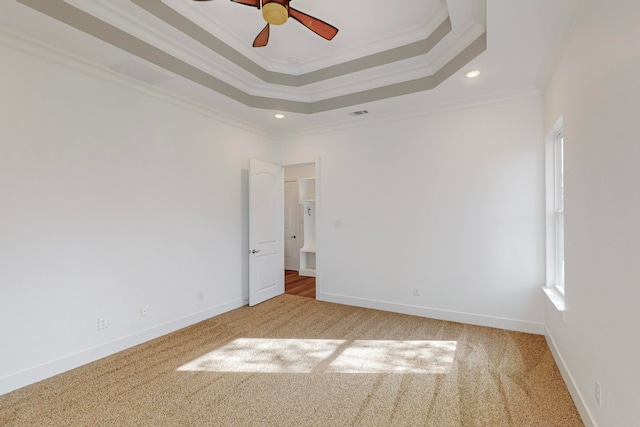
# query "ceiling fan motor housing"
(275, 12)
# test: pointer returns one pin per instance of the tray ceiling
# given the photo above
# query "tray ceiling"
(371, 58)
(387, 58)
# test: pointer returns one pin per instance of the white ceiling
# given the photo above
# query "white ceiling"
(382, 49)
(359, 22)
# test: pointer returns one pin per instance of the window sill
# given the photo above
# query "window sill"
(555, 296)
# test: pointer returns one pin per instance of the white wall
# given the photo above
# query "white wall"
(451, 203)
(110, 199)
(597, 91)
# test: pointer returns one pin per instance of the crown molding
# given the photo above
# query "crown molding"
(180, 22)
(412, 113)
(209, 61)
(64, 12)
(52, 54)
(55, 55)
(386, 41)
(240, 73)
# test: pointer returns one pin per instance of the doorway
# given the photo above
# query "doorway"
(266, 237)
(299, 229)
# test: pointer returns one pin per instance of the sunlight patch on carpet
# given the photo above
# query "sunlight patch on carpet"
(271, 355)
(266, 355)
(396, 357)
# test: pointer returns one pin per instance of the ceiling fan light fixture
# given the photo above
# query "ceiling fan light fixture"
(275, 13)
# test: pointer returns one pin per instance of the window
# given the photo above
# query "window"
(554, 177)
(558, 188)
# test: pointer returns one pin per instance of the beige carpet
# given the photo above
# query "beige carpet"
(294, 361)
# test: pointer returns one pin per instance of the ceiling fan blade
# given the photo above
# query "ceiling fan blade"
(263, 38)
(316, 25)
(254, 3)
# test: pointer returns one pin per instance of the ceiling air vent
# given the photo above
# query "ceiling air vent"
(359, 113)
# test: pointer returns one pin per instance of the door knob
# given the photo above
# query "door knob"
(293, 237)
(253, 251)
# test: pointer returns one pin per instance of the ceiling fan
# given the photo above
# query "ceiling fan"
(277, 12)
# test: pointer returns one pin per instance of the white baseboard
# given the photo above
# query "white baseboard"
(452, 316)
(578, 399)
(66, 363)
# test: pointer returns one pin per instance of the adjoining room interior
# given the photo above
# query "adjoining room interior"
(300, 229)
(475, 205)
(295, 284)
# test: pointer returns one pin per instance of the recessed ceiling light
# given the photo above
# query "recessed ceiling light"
(473, 73)
(279, 116)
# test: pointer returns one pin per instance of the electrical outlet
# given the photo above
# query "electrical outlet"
(598, 393)
(144, 310)
(416, 291)
(102, 323)
(201, 295)
(246, 300)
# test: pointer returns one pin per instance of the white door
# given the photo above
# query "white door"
(266, 231)
(291, 238)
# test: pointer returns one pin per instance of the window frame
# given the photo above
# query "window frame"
(554, 286)
(558, 187)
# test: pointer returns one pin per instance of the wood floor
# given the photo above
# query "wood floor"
(295, 284)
